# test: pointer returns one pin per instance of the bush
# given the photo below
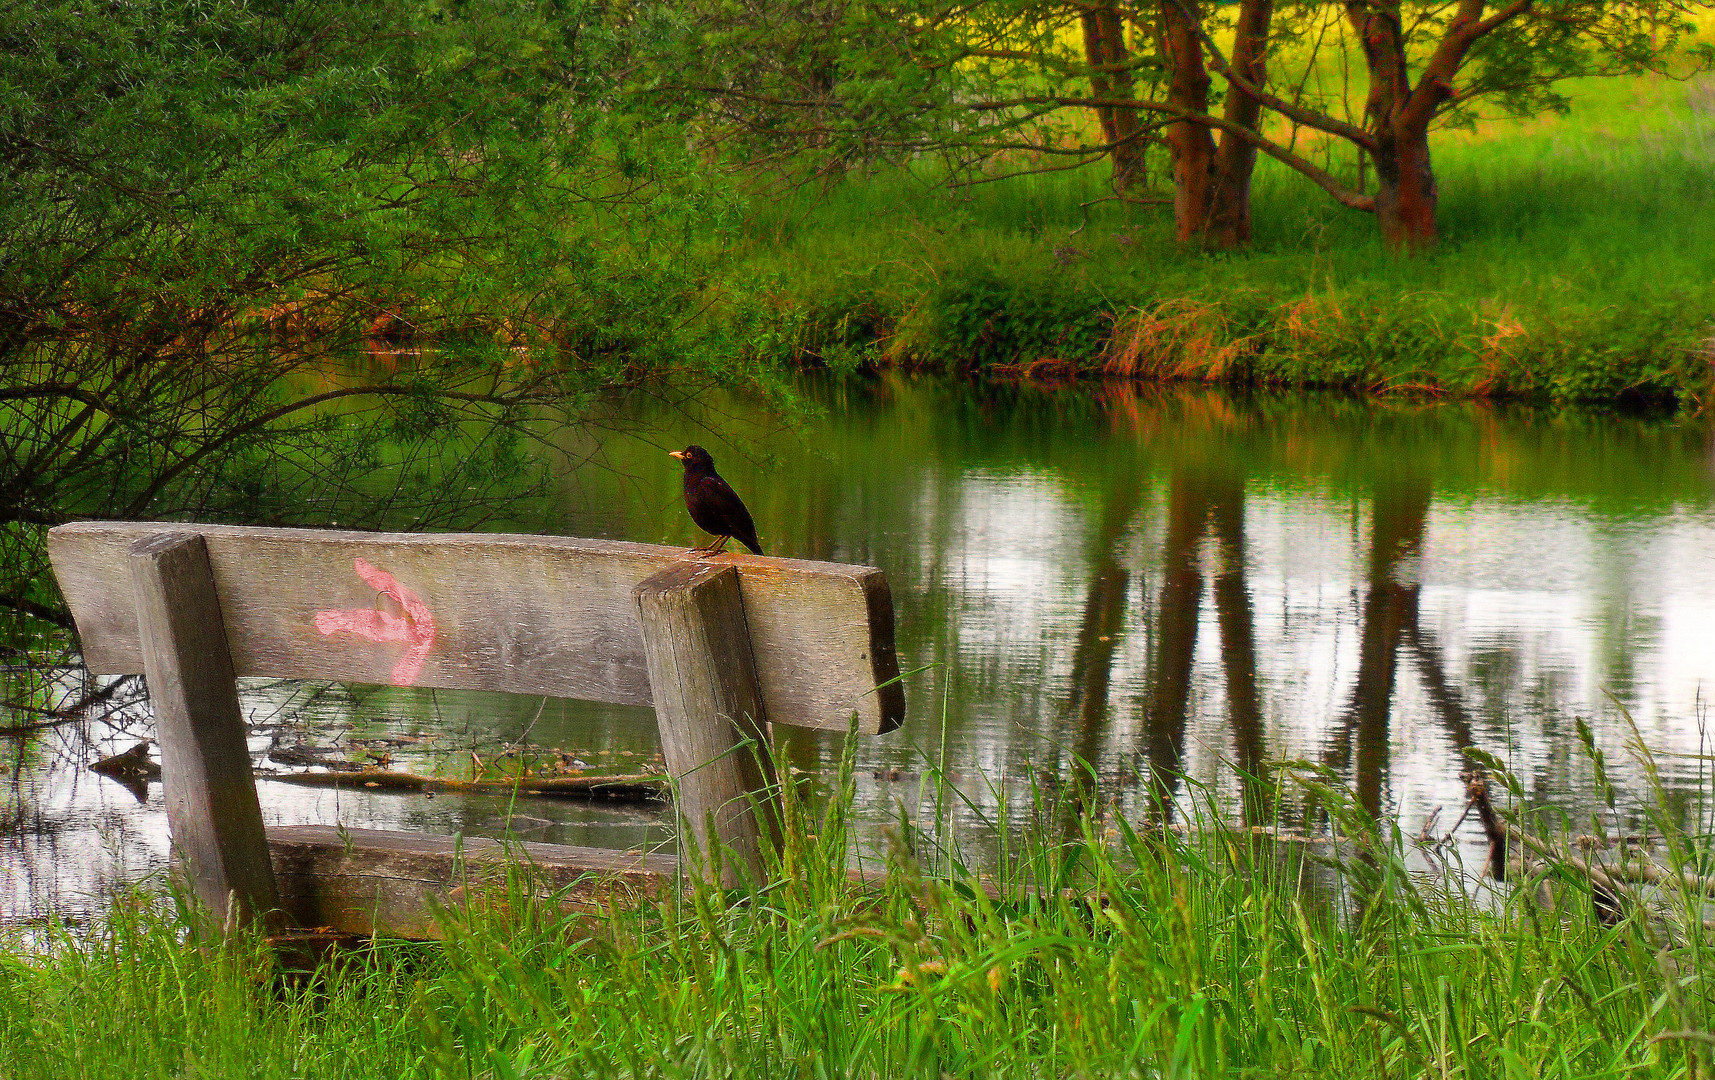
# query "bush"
(981, 321)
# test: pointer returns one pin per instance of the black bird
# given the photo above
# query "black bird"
(714, 505)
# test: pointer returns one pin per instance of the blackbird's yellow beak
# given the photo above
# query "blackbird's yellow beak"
(680, 454)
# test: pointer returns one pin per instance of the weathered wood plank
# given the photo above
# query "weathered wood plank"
(378, 882)
(714, 733)
(212, 810)
(525, 614)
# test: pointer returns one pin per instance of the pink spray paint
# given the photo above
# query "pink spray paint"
(417, 628)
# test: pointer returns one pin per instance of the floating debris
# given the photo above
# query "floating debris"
(134, 764)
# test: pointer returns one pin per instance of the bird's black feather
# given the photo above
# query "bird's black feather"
(713, 504)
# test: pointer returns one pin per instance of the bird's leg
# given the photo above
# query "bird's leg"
(717, 544)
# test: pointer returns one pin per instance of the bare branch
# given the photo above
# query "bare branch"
(1342, 194)
(1291, 110)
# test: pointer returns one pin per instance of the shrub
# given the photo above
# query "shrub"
(981, 320)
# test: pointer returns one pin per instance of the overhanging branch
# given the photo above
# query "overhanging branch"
(1323, 179)
(1291, 110)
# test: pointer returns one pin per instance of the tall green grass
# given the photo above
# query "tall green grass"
(1578, 264)
(1107, 948)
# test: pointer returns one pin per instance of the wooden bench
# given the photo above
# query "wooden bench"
(721, 647)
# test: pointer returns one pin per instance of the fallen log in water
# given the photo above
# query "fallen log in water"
(135, 765)
(1616, 886)
(641, 787)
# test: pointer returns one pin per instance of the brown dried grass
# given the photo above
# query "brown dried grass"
(1499, 351)
(1175, 339)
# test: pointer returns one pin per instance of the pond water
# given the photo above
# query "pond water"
(1172, 585)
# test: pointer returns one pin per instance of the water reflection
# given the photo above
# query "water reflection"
(1099, 634)
(1399, 512)
(1204, 505)
(1148, 595)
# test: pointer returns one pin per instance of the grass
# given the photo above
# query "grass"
(1202, 957)
(1578, 264)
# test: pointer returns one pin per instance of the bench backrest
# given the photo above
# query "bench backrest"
(479, 611)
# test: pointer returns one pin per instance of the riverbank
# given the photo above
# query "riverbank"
(1578, 267)
(1202, 958)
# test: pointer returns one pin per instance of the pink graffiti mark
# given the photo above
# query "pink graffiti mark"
(417, 627)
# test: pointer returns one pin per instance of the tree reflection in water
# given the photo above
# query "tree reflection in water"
(1207, 504)
(1201, 503)
(1099, 636)
(1399, 511)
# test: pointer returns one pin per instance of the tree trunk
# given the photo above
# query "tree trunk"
(1235, 160)
(1192, 145)
(1399, 116)
(1106, 52)
(1405, 193)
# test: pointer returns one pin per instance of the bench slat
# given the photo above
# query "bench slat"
(378, 882)
(521, 614)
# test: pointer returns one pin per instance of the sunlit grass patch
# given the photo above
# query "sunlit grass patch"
(1586, 242)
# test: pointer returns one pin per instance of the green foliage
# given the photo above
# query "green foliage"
(846, 322)
(795, 90)
(210, 214)
(168, 158)
(1642, 353)
(984, 318)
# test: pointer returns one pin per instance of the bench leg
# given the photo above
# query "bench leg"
(713, 732)
(212, 810)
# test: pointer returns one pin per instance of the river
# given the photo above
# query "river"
(1176, 586)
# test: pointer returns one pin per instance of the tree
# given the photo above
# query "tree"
(1424, 65)
(1003, 86)
(812, 89)
(1212, 182)
(208, 209)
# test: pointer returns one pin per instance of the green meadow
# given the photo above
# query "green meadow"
(1577, 265)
